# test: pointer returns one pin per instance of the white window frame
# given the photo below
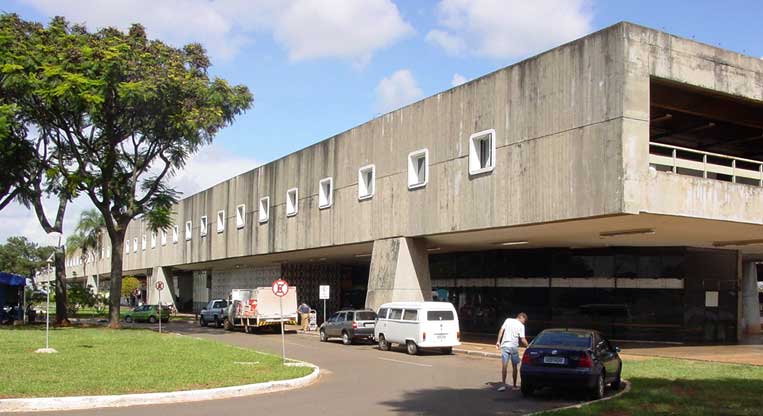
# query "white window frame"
(175, 233)
(363, 188)
(292, 206)
(164, 237)
(188, 230)
(203, 226)
(264, 209)
(153, 239)
(475, 163)
(143, 242)
(135, 245)
(220, 221)
(241, 216)
(325, 201)
(413, 177)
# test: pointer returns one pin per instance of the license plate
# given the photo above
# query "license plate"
(554, 360)
(441, 337)
(369, 325)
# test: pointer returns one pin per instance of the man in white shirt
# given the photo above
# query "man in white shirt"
(511, 335)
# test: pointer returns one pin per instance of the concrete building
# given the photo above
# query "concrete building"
(612, 182)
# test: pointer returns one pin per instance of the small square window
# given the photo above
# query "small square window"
(143, 242)
(482, 152)
(164, 237)
(240, 216)
(135, 245)
(418, 168)
(188, 230)
(203, 226)
(292, 202)
(153, 239)
(264, 213)
(325, 193)
(175, 233)
(366, 182)
(220, 221)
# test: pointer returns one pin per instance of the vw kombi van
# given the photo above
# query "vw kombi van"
(417, 325)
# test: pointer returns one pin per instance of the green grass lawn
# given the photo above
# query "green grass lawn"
(681, 387)
(93, 361)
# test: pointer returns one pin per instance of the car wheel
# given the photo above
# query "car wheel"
(412, 348)
(152, 319)
(346, 338)
(202, 321)
(217, 322)
(446, 350)
(598, 390)
(617, 382)
(527, 389)
(383, 344)
(324, 338)
(128, 319)
(227, 325)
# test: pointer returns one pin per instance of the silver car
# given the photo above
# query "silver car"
(350, 325)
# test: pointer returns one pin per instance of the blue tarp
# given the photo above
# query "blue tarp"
(11, 279)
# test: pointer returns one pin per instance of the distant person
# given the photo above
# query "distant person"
(511, 335)
(304, 315)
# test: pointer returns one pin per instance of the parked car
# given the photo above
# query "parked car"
(351, 325)
(418, 325)
(147, 313)
(214, 313)
(571, 358)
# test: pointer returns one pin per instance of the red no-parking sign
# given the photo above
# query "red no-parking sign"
(280, 288)
(159, 285)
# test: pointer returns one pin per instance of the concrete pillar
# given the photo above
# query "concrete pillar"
(750, 301)
(160, 274)
(399, 272)
(92, 282)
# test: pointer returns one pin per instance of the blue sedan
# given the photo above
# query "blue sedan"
(571, 358)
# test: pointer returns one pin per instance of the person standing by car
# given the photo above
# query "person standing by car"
(511, 335)
(304, 315)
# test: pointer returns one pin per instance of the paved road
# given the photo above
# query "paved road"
(359, 379)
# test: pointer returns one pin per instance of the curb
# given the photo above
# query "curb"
(580, 405)
(477, 353)
(41, 404)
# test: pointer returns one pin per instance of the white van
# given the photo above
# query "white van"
(417, 325)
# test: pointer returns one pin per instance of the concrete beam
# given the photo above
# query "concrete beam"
(399, 272)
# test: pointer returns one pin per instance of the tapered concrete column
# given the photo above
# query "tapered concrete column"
(750, 301)
(399, 272)
(160, 274)
(92, 282)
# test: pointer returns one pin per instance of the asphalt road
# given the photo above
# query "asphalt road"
(359, 379)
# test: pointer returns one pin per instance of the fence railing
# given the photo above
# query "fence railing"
(682, 160)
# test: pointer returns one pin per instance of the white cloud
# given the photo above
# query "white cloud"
(397, 90)
(504, 29)
(457, 80)
(308, 29)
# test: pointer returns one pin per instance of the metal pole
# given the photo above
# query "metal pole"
(283, 339)
(324, 310)
(160, 310)
(47, 316)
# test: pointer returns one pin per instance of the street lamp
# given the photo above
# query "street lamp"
(47, 349)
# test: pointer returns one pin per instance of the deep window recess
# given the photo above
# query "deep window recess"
(395, 314)
(383, 313)
(203, 226)
(264, 212)
(143, 242)
(127, 247)
(366, 182)
(411, 315)
(482, 152)
(135, 245)
(164, 237)
(418, 168)
(240, 216)
(439, 315)
(175, 233)
(220, 221)
(292, 202)
(153, 239)
(325, 193)
(188, 230)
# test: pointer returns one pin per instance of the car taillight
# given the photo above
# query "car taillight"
(585, 361)
(526, 358)
(458, 335)
(354, 325)
(424, 336)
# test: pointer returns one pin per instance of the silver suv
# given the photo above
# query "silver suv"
(350, 325)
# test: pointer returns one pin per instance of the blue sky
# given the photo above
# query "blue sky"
(318, 68)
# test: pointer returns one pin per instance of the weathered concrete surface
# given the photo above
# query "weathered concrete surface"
(750, 301)
(399, 272)
(160, 274)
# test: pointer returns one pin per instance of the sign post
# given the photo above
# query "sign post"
(324, 295)
(280, 289)
(160, 286)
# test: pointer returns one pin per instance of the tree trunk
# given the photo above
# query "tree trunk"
(62, 315)
(115, 291)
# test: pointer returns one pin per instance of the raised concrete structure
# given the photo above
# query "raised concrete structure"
(626, 142)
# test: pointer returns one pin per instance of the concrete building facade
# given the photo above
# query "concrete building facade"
(614, 181)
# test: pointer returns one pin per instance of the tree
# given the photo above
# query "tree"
(129, 284)
(20, 256)
(87, 236)
(122, 113)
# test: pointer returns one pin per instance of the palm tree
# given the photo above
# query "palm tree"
(87, 236)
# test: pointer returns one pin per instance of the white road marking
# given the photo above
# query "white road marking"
(405, 362)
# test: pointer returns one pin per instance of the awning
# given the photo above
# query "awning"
(11, 279)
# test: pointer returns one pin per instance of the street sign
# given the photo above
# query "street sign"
(159, 285)
(324, 292)
(280, 288)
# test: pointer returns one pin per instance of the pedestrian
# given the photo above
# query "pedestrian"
(511, 335)
(304, 315)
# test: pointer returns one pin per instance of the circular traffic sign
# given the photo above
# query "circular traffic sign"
(280, 288)
(159, 285)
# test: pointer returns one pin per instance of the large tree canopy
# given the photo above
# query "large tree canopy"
(121, 111)
(21, 256)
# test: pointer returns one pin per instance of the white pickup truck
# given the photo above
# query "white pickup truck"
(249, 309)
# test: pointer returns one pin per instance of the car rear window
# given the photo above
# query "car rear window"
(365, 316)
(566, 339)
(439, 315)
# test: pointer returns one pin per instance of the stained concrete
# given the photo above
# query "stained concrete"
(399, 272)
